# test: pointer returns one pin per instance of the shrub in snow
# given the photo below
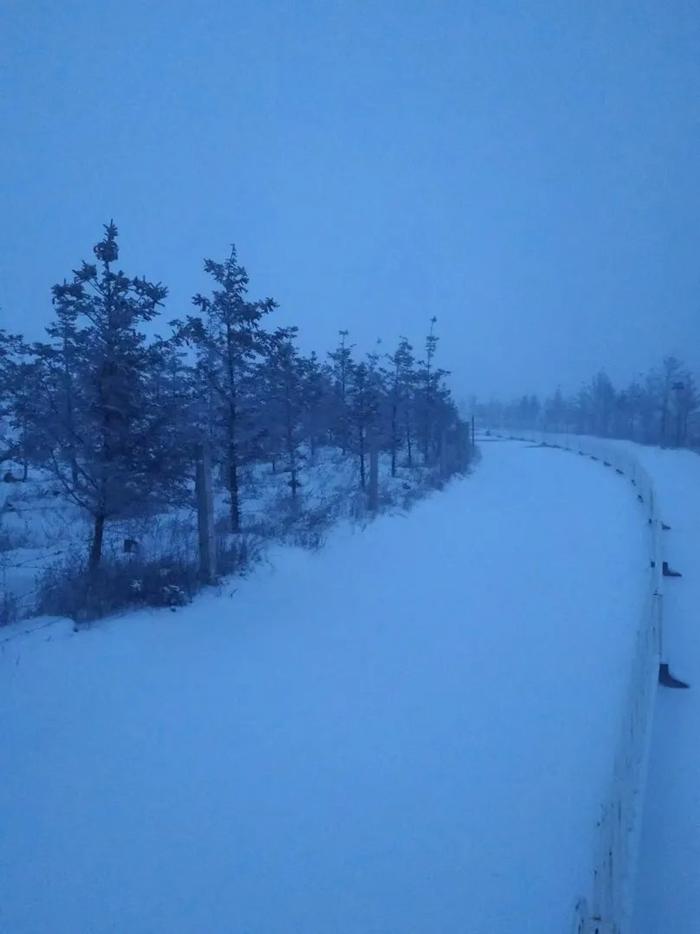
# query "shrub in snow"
(9, 609)
(235, 553)
(67, 590)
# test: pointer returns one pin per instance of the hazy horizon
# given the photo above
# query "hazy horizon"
(527, 175)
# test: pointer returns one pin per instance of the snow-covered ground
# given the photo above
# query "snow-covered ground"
(408, 731)
(40, 529)
(668, 892)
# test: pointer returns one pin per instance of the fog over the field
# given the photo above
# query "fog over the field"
(528, 172)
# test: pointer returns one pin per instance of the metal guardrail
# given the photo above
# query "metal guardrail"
(607, 907)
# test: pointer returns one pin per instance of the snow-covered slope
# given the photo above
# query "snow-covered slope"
(409, 731)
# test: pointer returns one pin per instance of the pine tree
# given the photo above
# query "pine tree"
(285, 403)
(401, 379)
(99, 413)
(429, 387)
(176, 420)
(342, 364)
(670, 374)
(685, 403)
(364, 401)
(12, 350)
(229, 338)
(316, 390)
(22, 376)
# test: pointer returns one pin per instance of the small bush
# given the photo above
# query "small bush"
(9, 608)
(68, 590)
(309, 530)
(235, 553)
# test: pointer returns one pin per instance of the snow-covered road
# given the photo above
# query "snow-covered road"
(409, 731)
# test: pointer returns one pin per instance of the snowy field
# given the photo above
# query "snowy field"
(408, 731)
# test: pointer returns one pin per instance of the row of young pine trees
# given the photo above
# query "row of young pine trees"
(119, 417)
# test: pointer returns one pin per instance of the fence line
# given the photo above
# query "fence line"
(607, 907)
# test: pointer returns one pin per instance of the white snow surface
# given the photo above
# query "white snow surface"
(410, 730)
(668, 890)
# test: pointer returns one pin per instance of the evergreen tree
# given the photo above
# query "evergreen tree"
(685, 403)
(403, 381)
(317, 394)
(363, 411)
(12, 350)
(229, 339)
(601, 396)
(23, 378)
(555, 412)
(429, 381)
(669, 376)
(98, 410)
(342, 364)
(285, 403)
(396, 397)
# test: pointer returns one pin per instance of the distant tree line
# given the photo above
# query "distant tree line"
(119, 418)
(659, 408)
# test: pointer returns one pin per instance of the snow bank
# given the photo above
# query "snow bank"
(668, 894)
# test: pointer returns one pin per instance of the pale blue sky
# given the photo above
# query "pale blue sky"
(529, 171)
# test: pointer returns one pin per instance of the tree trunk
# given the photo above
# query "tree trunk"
(443, 456)
(96, 545)
(663, 428)
(363, 479)
(291, 446)
(232, 435)
(373, 474)
(293, 472)
(233, 489)
(205, 517)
